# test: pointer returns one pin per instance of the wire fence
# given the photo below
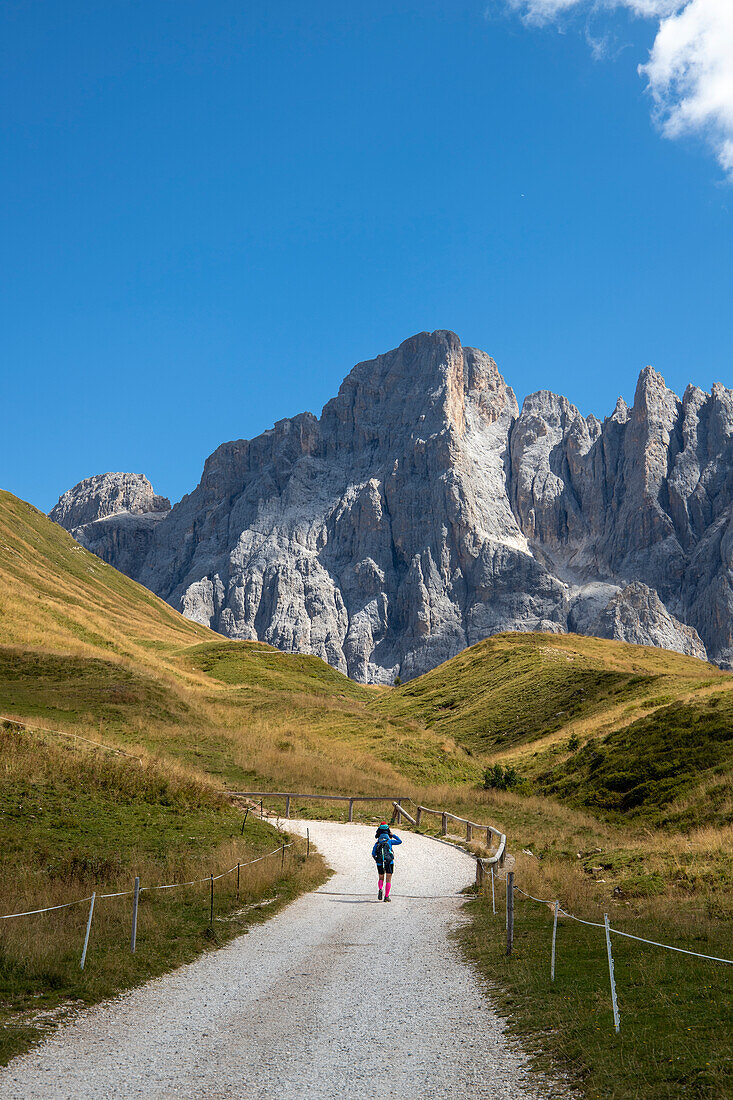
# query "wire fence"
(143, 889)
(482, 865)
(607, 928)
(618, 932)
(488, 870)
(137, 889)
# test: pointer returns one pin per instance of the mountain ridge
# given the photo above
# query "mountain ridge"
(424, 511)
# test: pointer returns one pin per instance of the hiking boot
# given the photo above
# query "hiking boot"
(379, 896)
(388, 898)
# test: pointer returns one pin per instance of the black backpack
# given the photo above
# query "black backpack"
(384, 852)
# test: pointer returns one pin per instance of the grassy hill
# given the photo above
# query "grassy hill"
(612, 727)
(513, 689)
(623, 801)
(87, 653)
(83, 648)
(615, 728)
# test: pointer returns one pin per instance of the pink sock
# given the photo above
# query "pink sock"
(387, 889)
(381, 883)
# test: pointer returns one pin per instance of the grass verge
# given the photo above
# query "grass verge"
(79, 820)
(676, 1032)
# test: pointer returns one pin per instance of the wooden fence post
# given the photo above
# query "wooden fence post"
(135, 898)
(469, 831)
(351, 809)
(443, 824)
(282, 860)
(488, 836)
(493, 893)
(237, 882)
(418, 815)
(211, 910)
(287, 806)
(509, 912)
(86, 937)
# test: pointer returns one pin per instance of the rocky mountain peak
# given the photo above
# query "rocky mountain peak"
(421, 388)
(653, 402)
(105, 495)
(423, 511)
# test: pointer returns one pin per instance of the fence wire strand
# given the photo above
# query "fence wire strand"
(168, 886)
(48, 909)
(626, 935)
(590, 923)
(682, 950)
(541, 901)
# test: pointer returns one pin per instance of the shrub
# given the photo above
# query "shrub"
(500, 778)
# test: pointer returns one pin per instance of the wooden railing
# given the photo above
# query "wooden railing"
(444, 815)
(397, 816)
(287, 795)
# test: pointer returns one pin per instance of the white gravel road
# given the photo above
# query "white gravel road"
(338, 997)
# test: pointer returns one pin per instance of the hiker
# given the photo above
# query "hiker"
(384, 858)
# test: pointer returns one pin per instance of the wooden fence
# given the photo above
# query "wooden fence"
(399, 813)
(288, 795)
(471, 826)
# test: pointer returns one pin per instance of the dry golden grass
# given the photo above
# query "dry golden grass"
(79, 819)
(86, 650)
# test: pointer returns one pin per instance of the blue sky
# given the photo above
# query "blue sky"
(210, 211)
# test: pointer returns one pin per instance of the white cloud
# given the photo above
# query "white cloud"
(690, 66)
(544, 11)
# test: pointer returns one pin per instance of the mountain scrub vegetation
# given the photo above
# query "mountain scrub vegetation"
(620, 802)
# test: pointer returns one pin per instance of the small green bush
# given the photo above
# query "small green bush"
(498, 778)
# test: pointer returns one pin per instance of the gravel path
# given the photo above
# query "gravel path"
(338, 997)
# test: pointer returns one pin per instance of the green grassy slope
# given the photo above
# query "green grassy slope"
(604, 725)
(84, 648)
(516, 688)
(255, 665)
(673, 766)
(54, 594)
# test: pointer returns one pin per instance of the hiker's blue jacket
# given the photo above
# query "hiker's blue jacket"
(390, 841)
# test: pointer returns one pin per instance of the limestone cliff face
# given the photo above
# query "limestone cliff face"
(645, 497)
(423, 511)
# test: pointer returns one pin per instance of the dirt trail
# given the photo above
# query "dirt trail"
(338, 997)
